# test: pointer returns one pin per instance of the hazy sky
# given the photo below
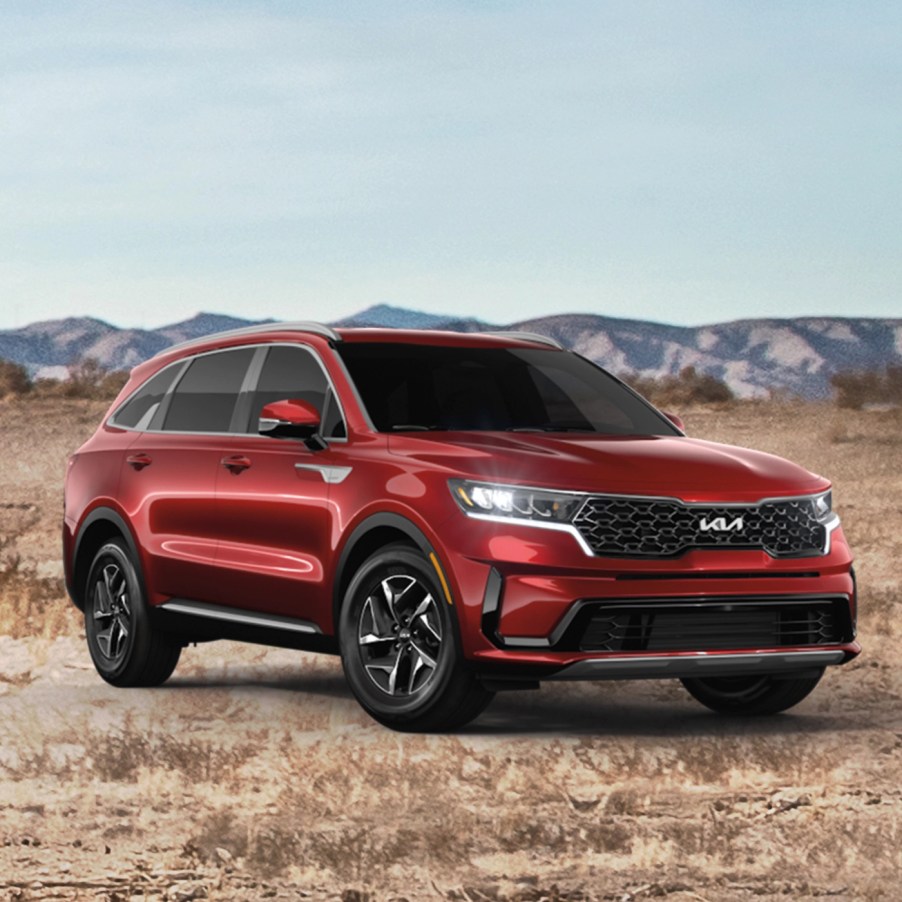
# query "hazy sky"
(677, 161)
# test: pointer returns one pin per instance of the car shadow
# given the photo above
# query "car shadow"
(611, 708)
(320, 684)
(547, 712)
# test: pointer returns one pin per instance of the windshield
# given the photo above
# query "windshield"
(407, 387)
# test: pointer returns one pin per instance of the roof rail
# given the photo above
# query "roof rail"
(314, 328)
(531, 336)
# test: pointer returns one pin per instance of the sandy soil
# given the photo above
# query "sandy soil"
(253, 773)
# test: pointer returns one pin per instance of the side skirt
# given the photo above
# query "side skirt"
(198, 621)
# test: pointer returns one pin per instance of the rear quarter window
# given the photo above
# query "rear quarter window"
(138, 410)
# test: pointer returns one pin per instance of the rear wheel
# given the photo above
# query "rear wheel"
(399, 646)
(751, 695)
(126, 648)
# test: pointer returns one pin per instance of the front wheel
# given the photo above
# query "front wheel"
(399, 646)
(127, 650)
(751, 695)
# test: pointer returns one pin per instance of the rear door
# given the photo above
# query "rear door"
(168, 482)
(274, 519)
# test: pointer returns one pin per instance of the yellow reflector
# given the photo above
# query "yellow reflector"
(441, 577)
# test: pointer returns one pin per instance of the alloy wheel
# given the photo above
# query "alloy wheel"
(399, 635)
(112, 612)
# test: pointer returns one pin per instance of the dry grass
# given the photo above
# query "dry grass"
(253, 774)
(34, 606)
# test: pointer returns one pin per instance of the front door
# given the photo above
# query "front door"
(274, 520)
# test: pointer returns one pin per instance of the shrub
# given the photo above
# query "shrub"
(689, 387)
(856, 389)
(14, 379)
(87, 380)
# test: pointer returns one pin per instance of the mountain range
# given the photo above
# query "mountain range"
(755, 357)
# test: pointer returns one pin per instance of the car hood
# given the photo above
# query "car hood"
(671, 466)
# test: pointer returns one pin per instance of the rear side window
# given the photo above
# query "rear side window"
(138, 410)
(205, 397)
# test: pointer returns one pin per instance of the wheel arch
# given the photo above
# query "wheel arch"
(375, 532)
(100, 525)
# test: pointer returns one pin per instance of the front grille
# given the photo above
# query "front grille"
(710, 626)
(652, 527)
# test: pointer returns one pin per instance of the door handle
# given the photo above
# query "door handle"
(139, 461)
(236, 464)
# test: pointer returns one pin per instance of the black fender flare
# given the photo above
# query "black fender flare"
(364, 528)
(108, 515)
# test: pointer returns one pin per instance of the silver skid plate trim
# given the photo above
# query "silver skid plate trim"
(236, 615)
(701, 664)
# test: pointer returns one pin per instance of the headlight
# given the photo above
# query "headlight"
(515, 502)
(823, 506)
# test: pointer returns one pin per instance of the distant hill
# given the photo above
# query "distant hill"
(754, 357)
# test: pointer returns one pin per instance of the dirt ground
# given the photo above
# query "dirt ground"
(254, 775)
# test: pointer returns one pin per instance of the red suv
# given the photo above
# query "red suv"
(453, 514)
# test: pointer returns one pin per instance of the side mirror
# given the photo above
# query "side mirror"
(677, 421)
(291, 418)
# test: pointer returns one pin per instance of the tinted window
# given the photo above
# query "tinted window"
(205, 397)
(293, 372)
(137, 411)
(414, 387)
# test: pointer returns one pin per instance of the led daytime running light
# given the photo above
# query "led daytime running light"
(516, 502)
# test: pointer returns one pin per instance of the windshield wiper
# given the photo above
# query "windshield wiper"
(552, 427)
(413, 427)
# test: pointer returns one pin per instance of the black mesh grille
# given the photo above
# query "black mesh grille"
(660, 528)
(714, 626)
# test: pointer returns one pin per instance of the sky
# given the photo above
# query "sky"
(686, 162)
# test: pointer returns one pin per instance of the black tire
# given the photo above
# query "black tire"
(126, 648)
(400, 647)
(751, 695)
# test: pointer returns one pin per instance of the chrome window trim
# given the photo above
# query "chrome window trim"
(186, 362)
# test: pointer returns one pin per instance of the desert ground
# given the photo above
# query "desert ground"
(253, 774)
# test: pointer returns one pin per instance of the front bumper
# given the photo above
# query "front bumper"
(520, 593)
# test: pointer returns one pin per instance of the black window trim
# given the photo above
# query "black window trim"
(248, 385)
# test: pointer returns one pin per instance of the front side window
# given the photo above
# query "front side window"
(293, 372)
(205, 397)
(407, 387)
